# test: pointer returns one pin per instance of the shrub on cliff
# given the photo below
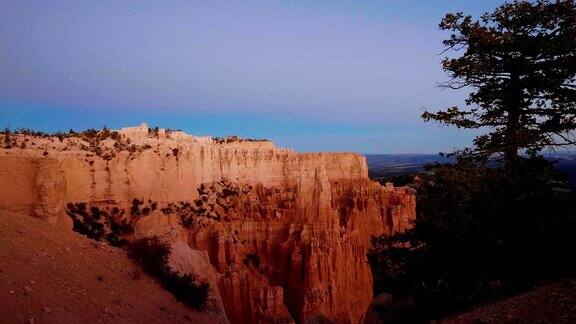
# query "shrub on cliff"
(135, 209)
(84, 222)
(98, 224)
(153, 132)
(152, 256)
(118, 227)
(479, 233)
(8, 141)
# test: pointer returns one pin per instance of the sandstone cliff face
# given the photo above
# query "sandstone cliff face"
(281, 236)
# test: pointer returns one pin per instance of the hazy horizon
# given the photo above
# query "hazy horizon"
(322, 76)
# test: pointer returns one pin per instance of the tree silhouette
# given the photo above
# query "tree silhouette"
(520, 62)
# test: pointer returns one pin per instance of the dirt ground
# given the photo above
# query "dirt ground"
(49, 275)
(548, 303)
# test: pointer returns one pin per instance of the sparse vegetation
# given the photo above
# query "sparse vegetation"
(152, 256)
(85, 222)
(98, 224)
(135, 209)
(234, 138)
(91, 139)
(8, 140)
(224, 201)
(139, 208)
(220, 193)
(153, 132)
(187, 212)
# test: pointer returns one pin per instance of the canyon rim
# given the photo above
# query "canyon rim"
(280, 236)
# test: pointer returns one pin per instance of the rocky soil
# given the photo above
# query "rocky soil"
(50, 275)
(553, 302)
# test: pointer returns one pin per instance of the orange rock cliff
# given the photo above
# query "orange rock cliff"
(280, 236)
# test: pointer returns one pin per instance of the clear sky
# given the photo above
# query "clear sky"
(314, 75)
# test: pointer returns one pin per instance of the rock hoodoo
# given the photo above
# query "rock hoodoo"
(281, 236)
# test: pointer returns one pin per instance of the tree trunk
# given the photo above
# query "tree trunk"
(511, 142)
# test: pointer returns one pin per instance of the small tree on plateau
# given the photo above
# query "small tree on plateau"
(520, 62)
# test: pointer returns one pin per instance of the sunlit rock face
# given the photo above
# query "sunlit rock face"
(281, 236)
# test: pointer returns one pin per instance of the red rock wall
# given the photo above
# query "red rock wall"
(288, 245)
(310, 243)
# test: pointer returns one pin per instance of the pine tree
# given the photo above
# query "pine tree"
(520, 63)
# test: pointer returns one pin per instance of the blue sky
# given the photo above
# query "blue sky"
(313, 75)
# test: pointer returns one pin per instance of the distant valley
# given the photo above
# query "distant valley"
(383, 166)
(388, 166)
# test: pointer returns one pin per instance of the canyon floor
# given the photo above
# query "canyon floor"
(49, 275)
